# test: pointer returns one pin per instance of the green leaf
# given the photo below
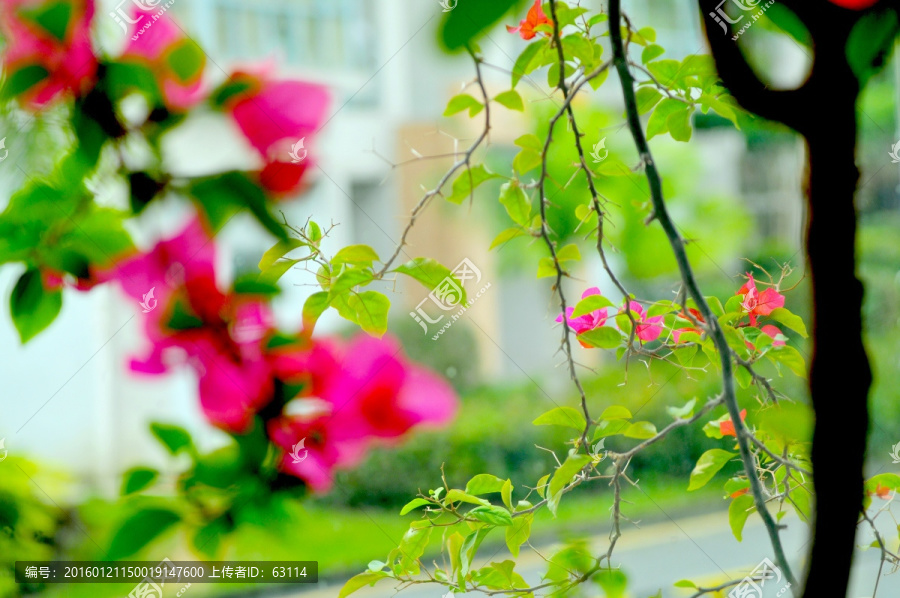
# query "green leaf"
(23, 79)
(527, 160)
(526, 62)
(221, 195)
(685, 412)
(455, 495)
(568, 253)
(430, 273)
(462, 102)
(174, 438)
(273, 273)
(651, 52)
(613, 582)
(139, 530)
(137, 479)
(507, 235)
(369, 578)
(591, 303)
(492, 514)
(641, 430)
(518, 533)
(542, 485)
(468, 19)
(209, 537)
(647, 98)
(52, 17)
(186, 60)
(516, 202)
(738, 512)
(511, 99)
(371, 310)
(31, 306)
(870, 42)
(685, 583)
(611, 427)
(615, 412)
(792, 321)
(530, 141)
(679, 124)
(347, 280)
(708, 465)
(790, 357)
(562, 476)
(562, 416)
(355, 254)
(484, 483)
(604, 337)
(468, 181)
(658, 122)
(412, 545)
(413, 504)
(314, 306)
(546, 268)
(506, 493)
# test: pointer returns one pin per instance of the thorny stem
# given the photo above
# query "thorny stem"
(660, 212)
(463, 161)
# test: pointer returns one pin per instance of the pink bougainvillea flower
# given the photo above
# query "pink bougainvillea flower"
(585, 322)
(48, 50)
(676, 333)
(774, 332)
(176, 61)
(191, 321)
(726, 427)
(756, 303)
(367, 392)
(646, 329)
(535, 17)
(275, 116)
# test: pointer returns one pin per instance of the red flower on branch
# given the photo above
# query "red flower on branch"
(757, 303)
(696, 315)
(726, 427)
(535, 17)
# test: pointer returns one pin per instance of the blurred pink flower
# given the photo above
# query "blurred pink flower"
(221, 335)
(756, 303)
(369, 392)
(646, 329)
(274, 115)
(50, 38)
(162, 47)
(588, 321)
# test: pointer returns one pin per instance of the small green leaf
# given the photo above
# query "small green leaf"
(615, 412)
(647, 98)
(23, 79)
(610, 427)
(32, 306)
(591, 303)
(140, 529)
(462, 102)
(603, 337)
(186, 60)
(708, 465)
(277, 251)
(511, 99)
(174, 438)
(492, 514)
(413, 504)
(530, 141)
(468, 181)
(355, 254)
(546, 268)
(685, 583)
(516, 202)
(790, 357)
(562, 476)
(651, 52)
(360, 581)
(484, 483)
(641, 430)
(684, 412)
(658, 122)
(455, 495)
(507, 235)
(314, 306)
(526, 62)
(371, 310)
(506, 493)
(562, 416)
(518, 532)
(792, 321)
(542, 485)
(679, 124)
(137, 479)
(738, 512)
(431, 273)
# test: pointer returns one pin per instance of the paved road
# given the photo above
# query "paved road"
(698, 548)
